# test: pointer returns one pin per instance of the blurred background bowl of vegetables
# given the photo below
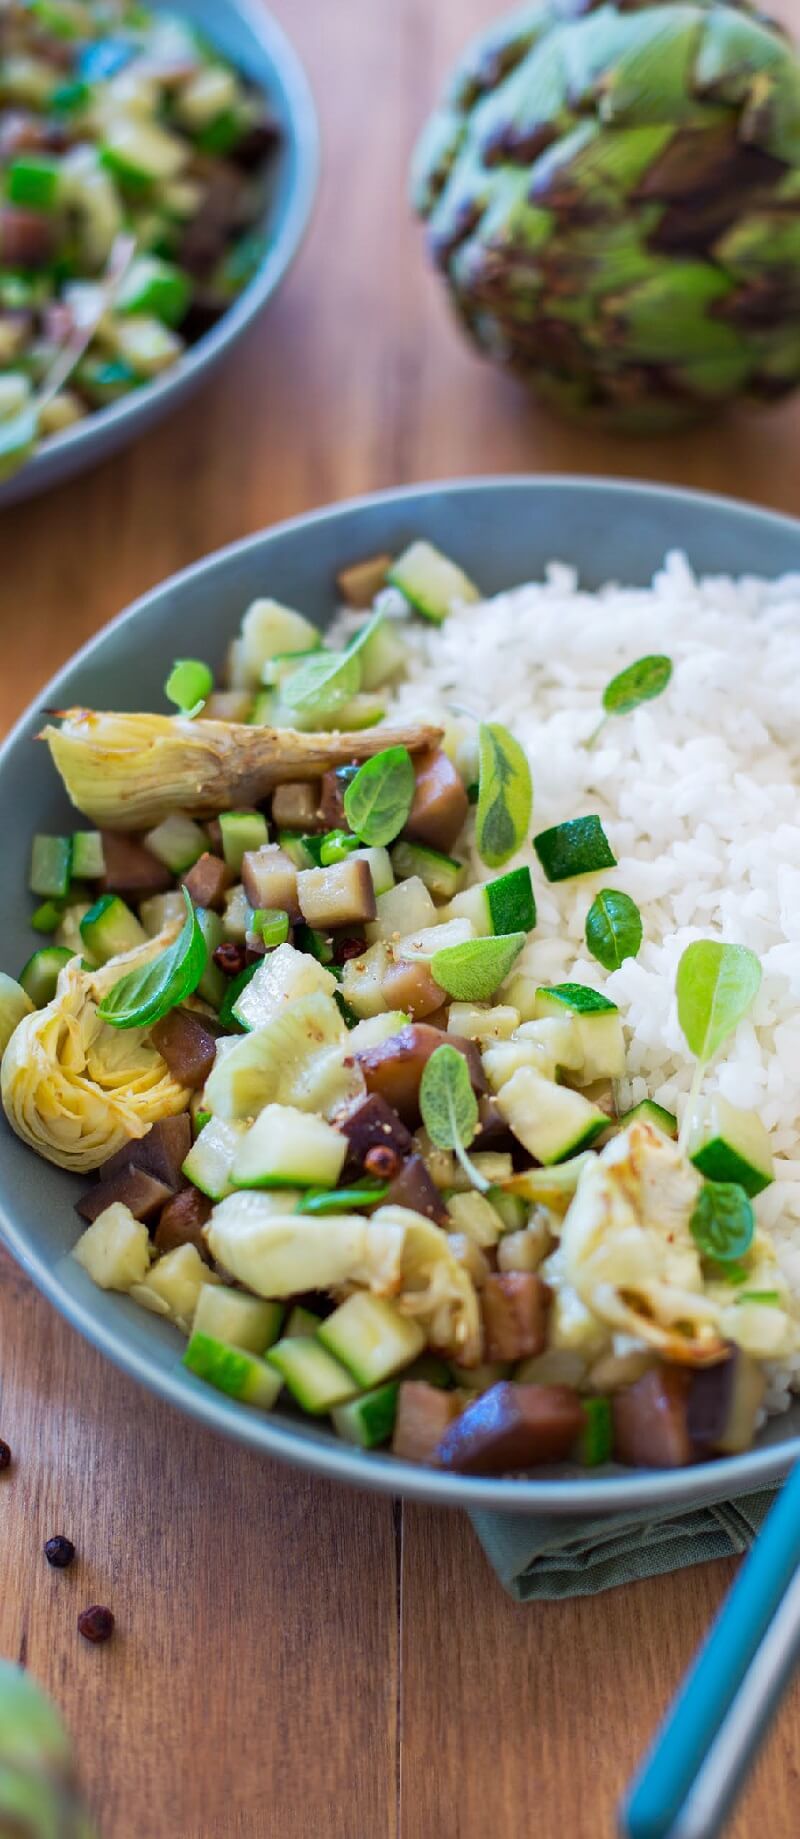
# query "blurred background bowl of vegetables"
(502, 532)
(612, 196)
(157, 169)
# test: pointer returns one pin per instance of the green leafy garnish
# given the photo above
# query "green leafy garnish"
(321, 685)
(723, 1222)
(336, 847)
(473, 971)
(143, 996)
(377, 802)
(188, 685)
(772, 1297)
(638, 683)
(450, 1109)
(235, 987)
(505, 795)
(613, 928)
(716, 985)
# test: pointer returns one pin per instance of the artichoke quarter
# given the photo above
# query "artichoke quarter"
(612, 193)
(127, 772)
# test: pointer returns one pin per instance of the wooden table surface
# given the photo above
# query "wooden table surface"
(292, 1659)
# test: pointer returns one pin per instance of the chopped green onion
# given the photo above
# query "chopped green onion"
(596, 1440)
(235, 987)
(273, 925)
(48, 916)
(336, 846)
(188, 685)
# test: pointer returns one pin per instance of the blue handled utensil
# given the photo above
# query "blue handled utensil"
(700, 1757)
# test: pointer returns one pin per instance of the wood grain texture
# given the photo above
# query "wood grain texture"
(260, 1683)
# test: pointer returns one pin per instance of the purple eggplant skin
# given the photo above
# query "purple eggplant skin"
(134, 1188)
(371, 1123)
(412, 1187)
(723, 1405)
(162, 1152)
(512, 1427)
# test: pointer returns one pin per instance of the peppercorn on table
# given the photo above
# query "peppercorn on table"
(288, 1657)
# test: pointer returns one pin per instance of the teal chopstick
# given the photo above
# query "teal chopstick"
(688, 1734)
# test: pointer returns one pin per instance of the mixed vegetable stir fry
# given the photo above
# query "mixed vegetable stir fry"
(132, 159)
(343, 1136)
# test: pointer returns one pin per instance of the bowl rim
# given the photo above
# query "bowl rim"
(613, 1491)
(109, 422)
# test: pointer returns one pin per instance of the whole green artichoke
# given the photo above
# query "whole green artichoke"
(613, 194)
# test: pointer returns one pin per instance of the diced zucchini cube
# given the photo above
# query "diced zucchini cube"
(430, 581)
(648, 1112)
(39, 977)
(371, 1338)
(402, 910)
(232, 1315)
(242, 831)
(313, 1377)
(368, 1421)
(51, 866)
(482, 1021)
(172, 1286)
(552, 1122)
(598, 1023)
(578, 847)
(728, 1144)
(88, 861)
(287, 1148)
(441, 874)
(362, 981)
(178, 842)
(283, 978)
(512, 907)
(233, 1370)
(110, 928)
(211, 1157)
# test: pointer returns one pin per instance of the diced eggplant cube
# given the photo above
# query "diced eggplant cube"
(208, 882)
(162, 1152)
(440, 803)
(295, 806)
(395, 1067)
(361, 581)
(131, 869)
(141, 1193)
(413, 1188)
(372, 1124)
(492, 1131)
(512, 1427)
(650, 1420)
(723, 1405)
(331, 802)
(408, 985)
(269, 879)
(424, 1413)
(188, 1046)
(182, 1221)
(515, 1306)
(341, 895)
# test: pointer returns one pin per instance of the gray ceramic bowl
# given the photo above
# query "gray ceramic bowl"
(246, 33)
(502, 531)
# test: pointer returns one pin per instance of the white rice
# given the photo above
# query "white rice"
(698, 795)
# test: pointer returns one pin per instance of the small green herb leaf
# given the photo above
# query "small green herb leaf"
(771, 1297)
(505, 795)
(716, 985)
(188, 684)
(449, 1107)
(613, 928)
(640, 682)
(143, 996)
(321, 685)
(723, 1222)
(377, 802)
(473, 971)
(343, 1200)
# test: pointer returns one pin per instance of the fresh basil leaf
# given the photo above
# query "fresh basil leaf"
(377, 802)
(321, 685)
(143, 996)
(505, 795)
(716, 985)
(449, 1107)
(473, 971)
(640, 682)
(613, 928)
(723, 1222)
(188, 685)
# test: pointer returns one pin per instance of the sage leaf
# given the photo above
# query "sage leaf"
(142, 996)
(613, 928)
(639, 682)
(505, 795)
(716, 985)
(723, 1222)
(449, 1108)
(473, 971)
(378, 800)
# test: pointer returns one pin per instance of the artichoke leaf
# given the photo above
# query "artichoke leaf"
(127, 772)
(70, 1086)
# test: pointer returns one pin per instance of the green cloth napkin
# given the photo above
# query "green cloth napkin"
(540, 1560)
